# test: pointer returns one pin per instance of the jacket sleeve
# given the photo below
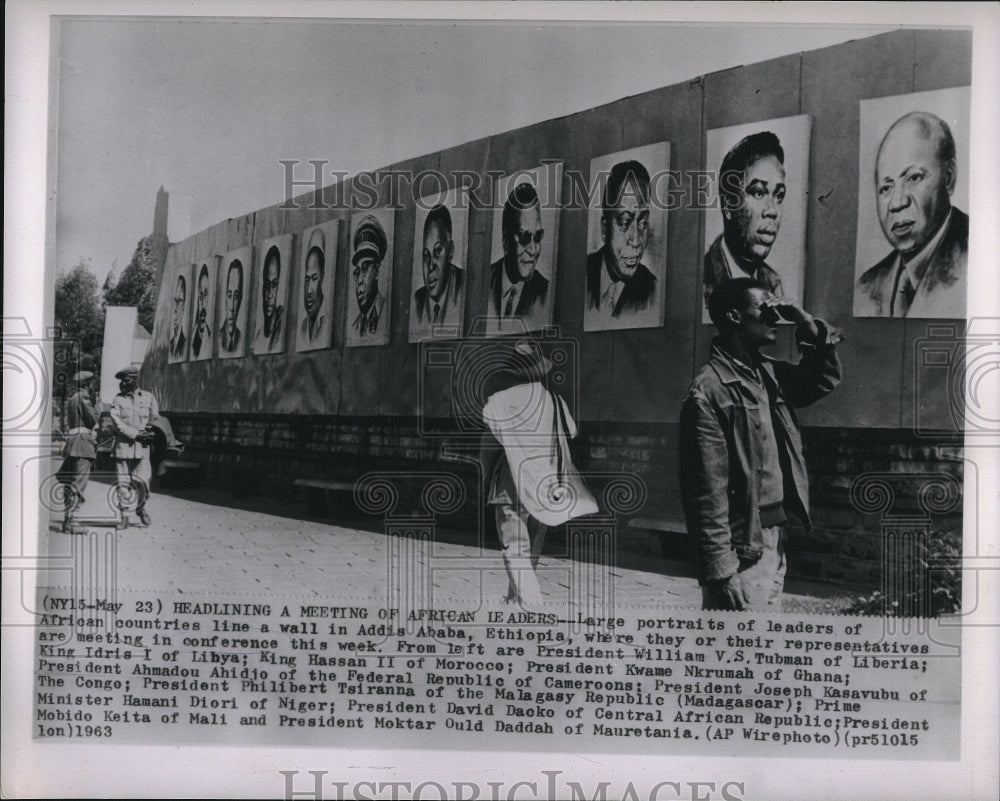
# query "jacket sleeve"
(818, 371)
(154, 408)
(704, 478)
(87, 418)
(121, 426)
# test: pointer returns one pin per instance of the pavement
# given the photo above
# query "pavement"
(207, 543)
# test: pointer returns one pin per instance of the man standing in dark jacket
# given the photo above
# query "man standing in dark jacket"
(742, 471)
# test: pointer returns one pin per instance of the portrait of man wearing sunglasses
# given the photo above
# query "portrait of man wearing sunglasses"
(517, 289)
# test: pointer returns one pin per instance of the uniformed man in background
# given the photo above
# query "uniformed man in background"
(132, 412)
(80, 452)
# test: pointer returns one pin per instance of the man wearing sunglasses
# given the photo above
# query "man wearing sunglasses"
(742, 472)
(617, 280)
(517, 289)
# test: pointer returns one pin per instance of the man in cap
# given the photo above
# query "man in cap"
(517, 289)
(370, 246)
(532, 482)
(438, 301)
(925, 274)
(312, 329)
(751, 196)
(79, 450)
(132, 412)
(617, 280)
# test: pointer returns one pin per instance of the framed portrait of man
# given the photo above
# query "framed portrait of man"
(233, 284)
(271, 295)
(318, 267)
(911, 255)
(202, 306)
(367, 302)
(437, 299)
(524, 248)
(180, 339)
(755, 226)
(627, 239)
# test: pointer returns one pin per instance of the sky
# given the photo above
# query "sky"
(207, 108)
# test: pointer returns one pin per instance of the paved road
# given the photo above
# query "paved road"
(205, 543)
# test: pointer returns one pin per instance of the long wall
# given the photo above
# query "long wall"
(631, 382)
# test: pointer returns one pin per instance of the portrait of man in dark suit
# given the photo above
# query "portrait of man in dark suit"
(617, 281)
(517, 289)
(201, 340)
(178, 340)
(924, 275)
(751, 194)
(439, 300)
(270, 329)
(230, 336)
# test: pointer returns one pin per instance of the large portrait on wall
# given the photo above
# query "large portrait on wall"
(437, 300)
(913, 230)
(626, 240)
(318, 266)
(368, 301)
(271, 295)
(524, 248)
(234, 278)
(755, 226)
(179, 331)
(203, 308)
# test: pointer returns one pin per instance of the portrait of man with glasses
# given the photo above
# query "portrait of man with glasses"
(517, 288)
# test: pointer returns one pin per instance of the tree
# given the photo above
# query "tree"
(80, 318)
(137, 284)
(79, 314)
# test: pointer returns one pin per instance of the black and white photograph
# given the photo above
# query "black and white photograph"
(234, 283)
(440, 273)
(489, 401)
(759, 228)
(203, 309)
(315, 281)
(179, 338)
(913, 188)
(522, 273)
(626, 241)
(271, 282)
(368, 310)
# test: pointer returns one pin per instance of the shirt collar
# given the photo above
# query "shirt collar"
(506, 286)
(731, 264)
(733, 369)
(917, 266)
(608, 281)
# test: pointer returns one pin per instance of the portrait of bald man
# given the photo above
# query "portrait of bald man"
(178, 320)
(924, 274)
